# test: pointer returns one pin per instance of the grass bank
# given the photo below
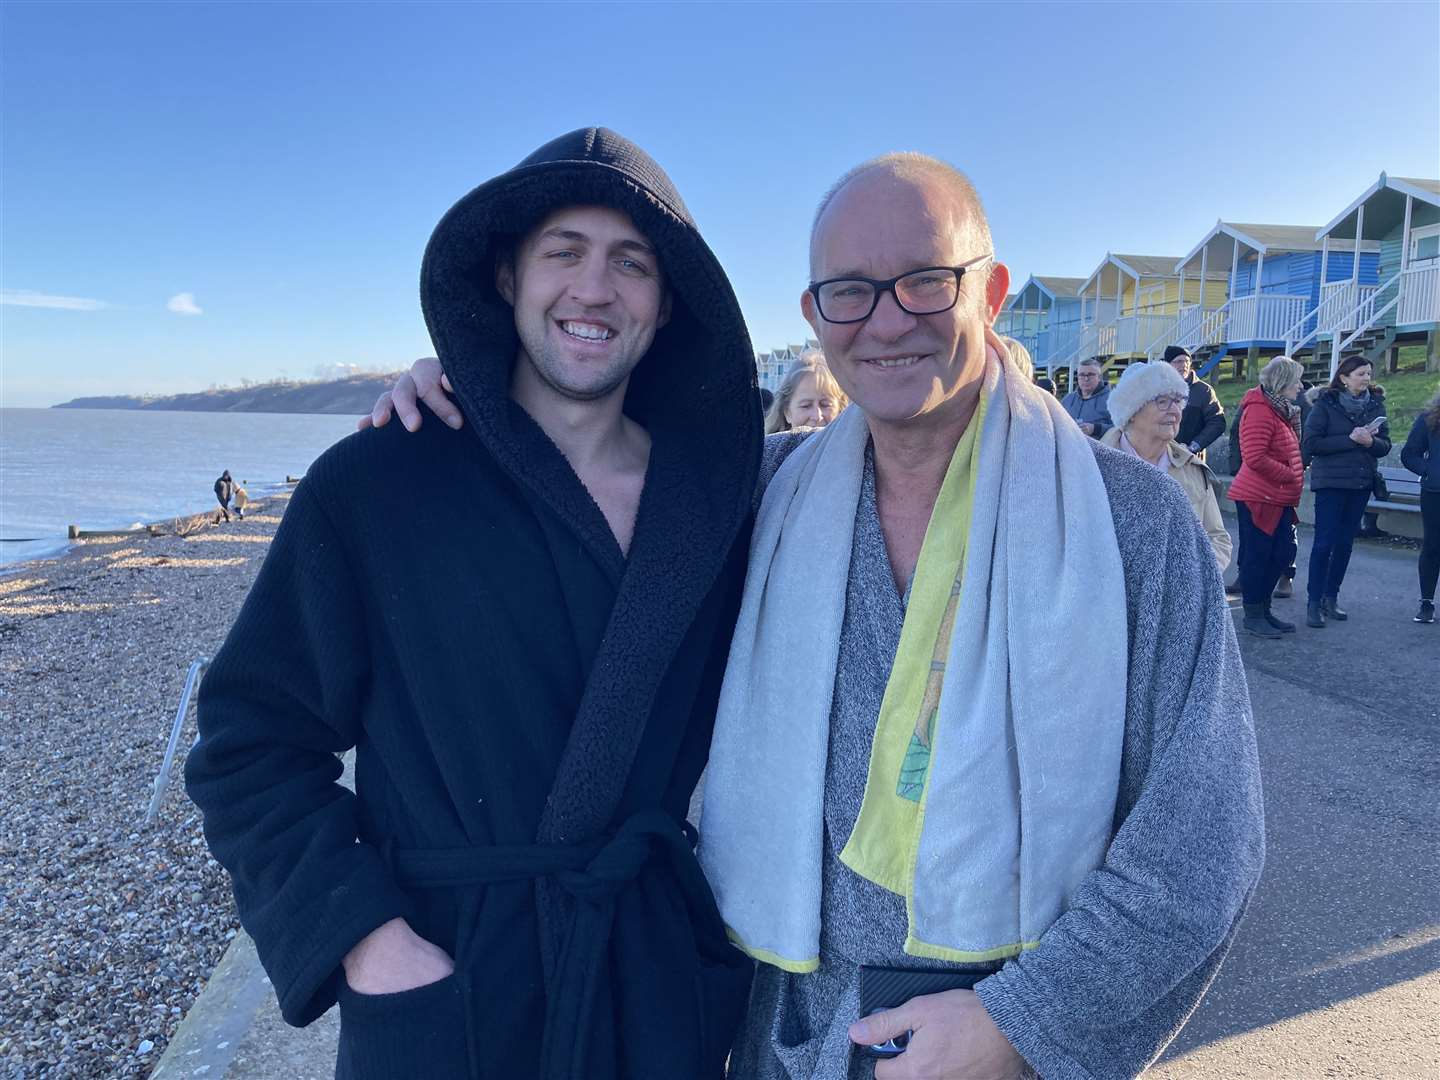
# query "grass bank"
(1406, 391)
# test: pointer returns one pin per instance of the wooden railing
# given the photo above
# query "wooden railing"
(1419, 295)
(1263, 317)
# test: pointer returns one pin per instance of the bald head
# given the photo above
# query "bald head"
(908, 169)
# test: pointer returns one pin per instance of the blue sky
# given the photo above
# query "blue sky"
(200, 193)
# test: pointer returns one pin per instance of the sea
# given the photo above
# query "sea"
(124, 468)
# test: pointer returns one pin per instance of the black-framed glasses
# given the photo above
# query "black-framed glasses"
(926, 291)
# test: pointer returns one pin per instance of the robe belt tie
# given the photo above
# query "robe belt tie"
(593, 874)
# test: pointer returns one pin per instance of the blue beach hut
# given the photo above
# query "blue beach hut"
(1271, 278)
(1044, 316)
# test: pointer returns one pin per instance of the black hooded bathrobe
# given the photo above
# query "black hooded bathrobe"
(530, 709)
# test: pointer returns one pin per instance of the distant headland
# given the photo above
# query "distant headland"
(354, 394)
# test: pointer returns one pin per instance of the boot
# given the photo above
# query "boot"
(1233, 589)
(1315, 614)
(1426, 612)
(1284, 588)
(1279, 624)
(1256, 623)
(1332, 609)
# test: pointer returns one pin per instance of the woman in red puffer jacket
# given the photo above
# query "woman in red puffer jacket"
(1267, 490)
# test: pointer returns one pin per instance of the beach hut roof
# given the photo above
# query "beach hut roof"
(1384, 203)
(1267, 238)
(1060, 287)
(1113, 267)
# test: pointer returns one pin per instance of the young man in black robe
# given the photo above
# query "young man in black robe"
(522, 635)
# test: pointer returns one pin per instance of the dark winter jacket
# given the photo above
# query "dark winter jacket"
(1092, 410)
(223, 487)
(1336, 460)
(1421, 453)
(530, 709)
(1271, 471)
(1203, 420)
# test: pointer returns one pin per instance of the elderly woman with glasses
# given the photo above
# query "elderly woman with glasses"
(1146, 405)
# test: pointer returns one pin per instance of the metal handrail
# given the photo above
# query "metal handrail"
(162, 779)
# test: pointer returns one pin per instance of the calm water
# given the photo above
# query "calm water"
(113, 468)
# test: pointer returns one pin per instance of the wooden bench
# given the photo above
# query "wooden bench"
(1404, 491)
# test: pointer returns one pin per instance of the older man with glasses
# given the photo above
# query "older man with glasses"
(1089, 402)
(947, 843)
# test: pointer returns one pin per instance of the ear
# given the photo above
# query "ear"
(811, 313)
(997, 287)
(505, 280)
(664, 316)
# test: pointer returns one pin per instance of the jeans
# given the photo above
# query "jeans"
(1337, 520)
(1263, 559)
(1430, 547)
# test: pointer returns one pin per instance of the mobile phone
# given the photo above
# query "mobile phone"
(883, 988)
(1374, 425)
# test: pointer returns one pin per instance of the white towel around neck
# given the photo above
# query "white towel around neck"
(1024, 772)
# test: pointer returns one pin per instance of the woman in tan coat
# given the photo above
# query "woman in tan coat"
(1146, 405)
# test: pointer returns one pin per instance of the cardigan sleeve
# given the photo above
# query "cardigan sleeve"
(280, 702)
(1113, 979)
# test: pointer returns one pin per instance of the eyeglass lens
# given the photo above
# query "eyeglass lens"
(921, 293)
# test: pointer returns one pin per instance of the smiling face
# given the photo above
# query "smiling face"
(588, 297)
(810, 405)
(1157, 421)
(901, 368)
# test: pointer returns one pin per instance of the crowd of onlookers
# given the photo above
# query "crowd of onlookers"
(1161, 412)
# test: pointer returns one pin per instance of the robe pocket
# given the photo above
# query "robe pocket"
(413, 1035)
(723, 991)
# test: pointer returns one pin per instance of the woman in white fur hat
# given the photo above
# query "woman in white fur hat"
(1146, 405)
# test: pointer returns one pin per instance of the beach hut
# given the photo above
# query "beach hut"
(772, 367)
(1131, 302)
(1401, 215)
(1044, 316)
(1269, 278)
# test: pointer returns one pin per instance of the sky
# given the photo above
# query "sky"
(198, 193)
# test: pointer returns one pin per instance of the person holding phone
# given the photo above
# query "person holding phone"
(1346, 434)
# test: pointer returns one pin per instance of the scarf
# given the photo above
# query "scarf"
(1289, 411)
(1355, 404)
(991, 790)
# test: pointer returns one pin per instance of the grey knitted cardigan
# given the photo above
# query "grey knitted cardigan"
(1115, 978)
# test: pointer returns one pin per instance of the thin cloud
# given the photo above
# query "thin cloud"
(31, 298)
(184, 304)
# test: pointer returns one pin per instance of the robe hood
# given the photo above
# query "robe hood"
(697, 382)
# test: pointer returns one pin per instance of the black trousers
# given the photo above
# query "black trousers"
(1337, 520)
(1263, 559)
(1430, 546)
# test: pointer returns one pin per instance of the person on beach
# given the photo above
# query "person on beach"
(1145, 406)
(224, 487)
(809, 397)
(1084, 840)
(1346, 433)
(1267, 490)
(1421, 455)
(521, 631)
(242, 499)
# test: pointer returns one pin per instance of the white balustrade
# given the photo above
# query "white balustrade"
(1419, 295)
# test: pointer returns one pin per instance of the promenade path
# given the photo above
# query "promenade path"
(1336, 972)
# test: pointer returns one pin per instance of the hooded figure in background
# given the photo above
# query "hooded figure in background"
(224, 487)
(524, 651)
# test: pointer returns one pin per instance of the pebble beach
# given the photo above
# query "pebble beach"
(109, 927)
